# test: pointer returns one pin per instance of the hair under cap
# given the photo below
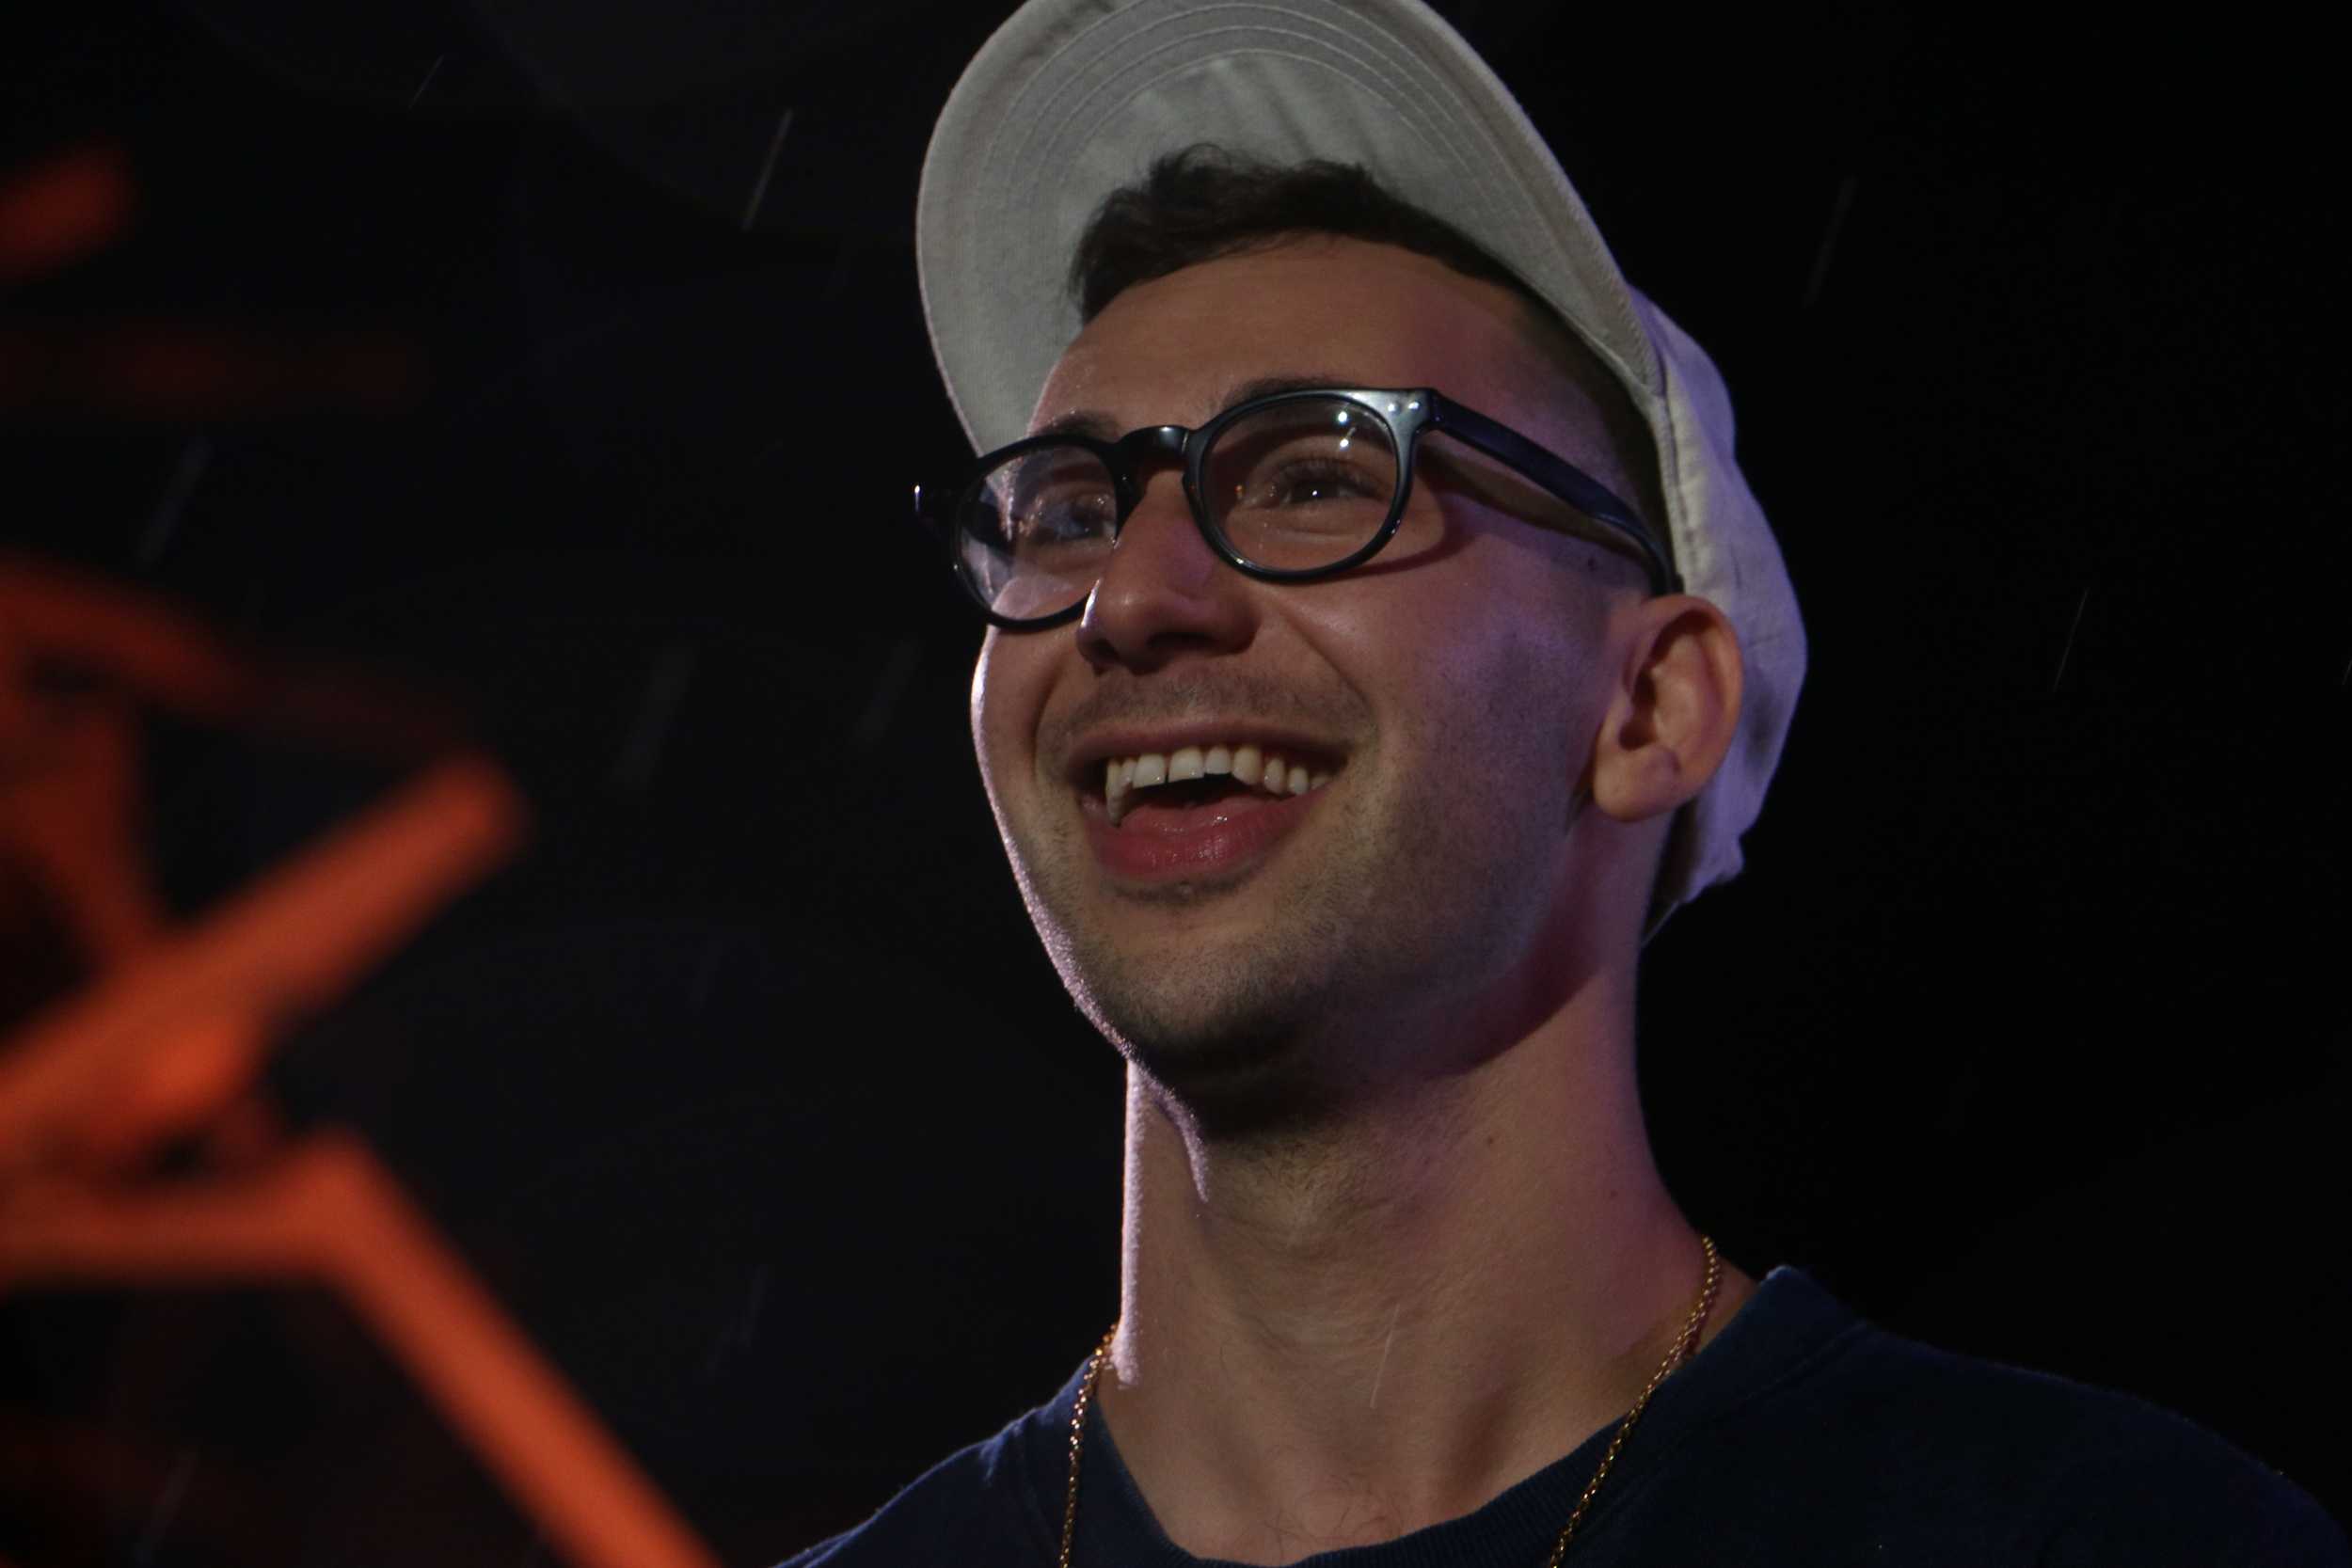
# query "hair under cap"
(1073, 99)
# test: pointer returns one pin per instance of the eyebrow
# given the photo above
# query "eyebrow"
(1093, 423)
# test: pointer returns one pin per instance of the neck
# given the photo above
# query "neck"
(1340, 1338)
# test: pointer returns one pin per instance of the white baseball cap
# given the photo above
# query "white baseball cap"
(1073, 99)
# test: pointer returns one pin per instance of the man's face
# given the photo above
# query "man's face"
(1267, 954)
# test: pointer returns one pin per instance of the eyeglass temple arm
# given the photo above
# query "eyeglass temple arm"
(1570, 484)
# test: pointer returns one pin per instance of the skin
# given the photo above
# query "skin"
(1395, 1238)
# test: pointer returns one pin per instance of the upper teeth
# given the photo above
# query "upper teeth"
(1123, 776)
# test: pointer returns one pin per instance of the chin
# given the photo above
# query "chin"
(1241, 1061)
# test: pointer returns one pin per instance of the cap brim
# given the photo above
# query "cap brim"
(1072, 99)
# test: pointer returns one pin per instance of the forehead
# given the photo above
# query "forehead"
(1176, 349)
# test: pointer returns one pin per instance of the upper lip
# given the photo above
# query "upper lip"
(1086, 759)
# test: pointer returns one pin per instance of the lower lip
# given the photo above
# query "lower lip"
(1217, 847)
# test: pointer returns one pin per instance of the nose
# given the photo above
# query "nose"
(1163, 592)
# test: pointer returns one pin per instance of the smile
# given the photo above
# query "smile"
(1219, 772)
(1196, 808)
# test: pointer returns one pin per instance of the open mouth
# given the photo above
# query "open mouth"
(1176, 786)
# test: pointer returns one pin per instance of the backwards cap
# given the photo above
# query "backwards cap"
(1074, 99)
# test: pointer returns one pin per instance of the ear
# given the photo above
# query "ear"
(1674, 708)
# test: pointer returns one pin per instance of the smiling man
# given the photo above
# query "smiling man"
(1383, 644)
(1302, 849)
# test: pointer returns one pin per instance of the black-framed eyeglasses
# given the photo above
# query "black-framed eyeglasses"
(1292, 487)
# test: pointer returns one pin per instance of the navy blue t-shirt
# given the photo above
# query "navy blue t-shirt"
(1800, 1434)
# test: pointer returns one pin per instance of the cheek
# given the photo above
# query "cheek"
(1482, 671)
(1004, 685)
(986, 705)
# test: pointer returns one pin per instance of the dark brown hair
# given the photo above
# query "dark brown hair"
(1204, 203)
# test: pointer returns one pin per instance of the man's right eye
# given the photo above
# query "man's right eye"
(1061, 520)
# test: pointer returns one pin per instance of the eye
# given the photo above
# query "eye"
(1309, 480)
(1301, 483)
(1050, 500)
(1303, 456)
(1062, 519)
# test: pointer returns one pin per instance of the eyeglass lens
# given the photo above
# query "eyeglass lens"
(1294, 486)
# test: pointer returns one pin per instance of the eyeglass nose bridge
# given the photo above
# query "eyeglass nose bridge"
(1127, 455)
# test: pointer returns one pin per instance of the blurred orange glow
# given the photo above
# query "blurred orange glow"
(57, 616)
(326, 1211)
(179, 371)
(64, 208)
(192, 1011)
(165, 1042)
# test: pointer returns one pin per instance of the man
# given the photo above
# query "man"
(1384, 643)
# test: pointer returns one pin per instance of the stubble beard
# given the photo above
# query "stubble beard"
(1273, 1017)
(1227, 1026)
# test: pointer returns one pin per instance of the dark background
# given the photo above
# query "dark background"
(747, 1089)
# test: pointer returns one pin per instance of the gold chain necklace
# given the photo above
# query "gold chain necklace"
(1683, 1346)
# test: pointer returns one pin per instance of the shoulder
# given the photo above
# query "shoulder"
(2072, 1474)
(966, 1509)
(1823, 1436)
(981, 1507)
(2128, 1480)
